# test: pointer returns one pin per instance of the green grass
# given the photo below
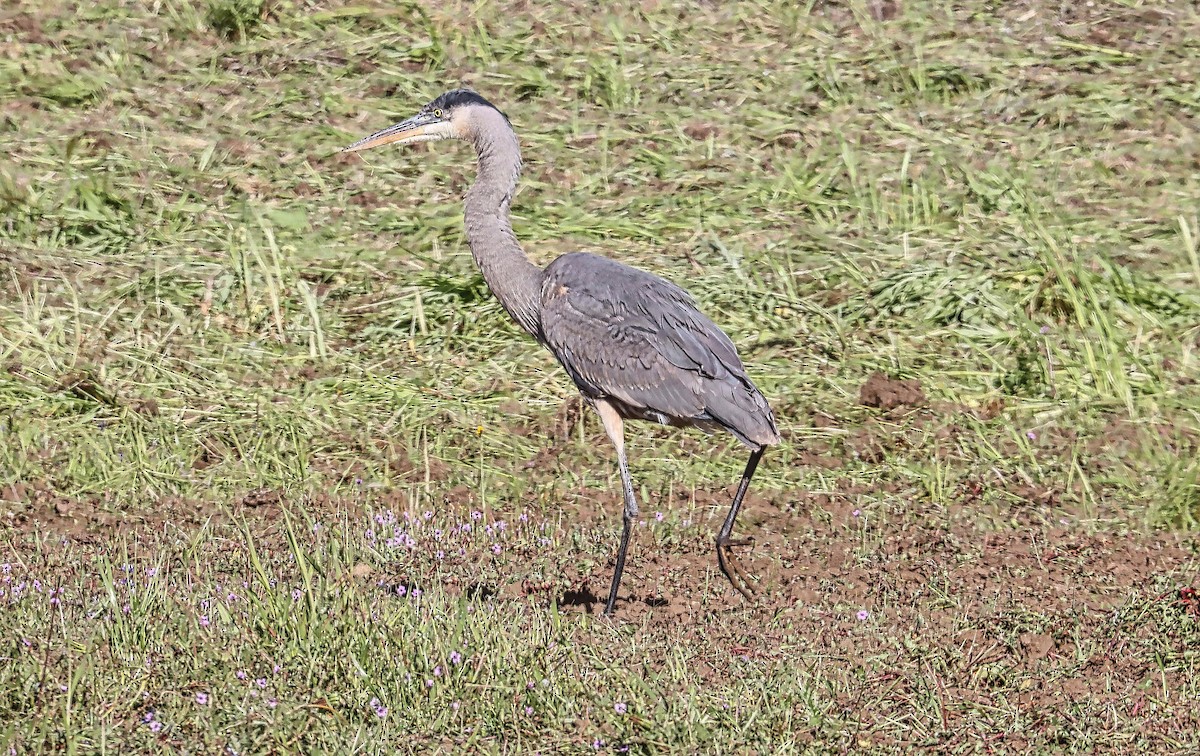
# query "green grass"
(210, 318)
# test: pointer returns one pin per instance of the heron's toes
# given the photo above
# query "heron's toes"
(739, 542)
(732, 569)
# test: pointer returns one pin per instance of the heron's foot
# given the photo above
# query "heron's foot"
(739, 542)
(731, 567)
(610, 606)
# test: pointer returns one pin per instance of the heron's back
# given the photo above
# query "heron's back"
(638, 340)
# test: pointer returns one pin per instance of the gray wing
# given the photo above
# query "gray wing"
(628, 335)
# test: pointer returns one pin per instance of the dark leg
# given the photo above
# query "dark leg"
(615, 428)
(725, 558)
(630, 514)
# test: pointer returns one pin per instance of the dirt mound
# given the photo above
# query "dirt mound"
(889, 393)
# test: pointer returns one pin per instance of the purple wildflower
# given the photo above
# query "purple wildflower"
(495, 548)
(619, 707)
(204, 620)
(261, 683)
(863, 615)
(455, 657)
(477, 515)
(155, 726)
(658, 516)
(202, 699)
(240, 674)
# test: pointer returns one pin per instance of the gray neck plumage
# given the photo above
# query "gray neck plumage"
(515, 281)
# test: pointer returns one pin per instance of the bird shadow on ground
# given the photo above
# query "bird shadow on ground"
(583, 597)
(586, 599)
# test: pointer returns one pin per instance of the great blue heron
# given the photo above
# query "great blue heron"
(635, 344)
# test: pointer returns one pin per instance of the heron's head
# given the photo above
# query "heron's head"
(457, 114)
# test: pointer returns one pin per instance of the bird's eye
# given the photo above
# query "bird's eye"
(437, 113)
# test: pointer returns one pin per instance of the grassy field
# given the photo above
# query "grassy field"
(277, 474)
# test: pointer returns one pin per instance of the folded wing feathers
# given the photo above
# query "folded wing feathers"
(657, 352)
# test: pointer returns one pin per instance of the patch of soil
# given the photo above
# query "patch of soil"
(403, 466)
(701, 131)
(27, 27)
(884, 10)
(890, 393)
(35, 506)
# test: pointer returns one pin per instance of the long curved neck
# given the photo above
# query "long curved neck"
(515, 281)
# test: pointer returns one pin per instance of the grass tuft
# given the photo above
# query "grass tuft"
(234, 19)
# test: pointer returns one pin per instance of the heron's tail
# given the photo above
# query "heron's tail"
(742, 410)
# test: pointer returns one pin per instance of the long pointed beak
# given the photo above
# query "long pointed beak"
(407, 130)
